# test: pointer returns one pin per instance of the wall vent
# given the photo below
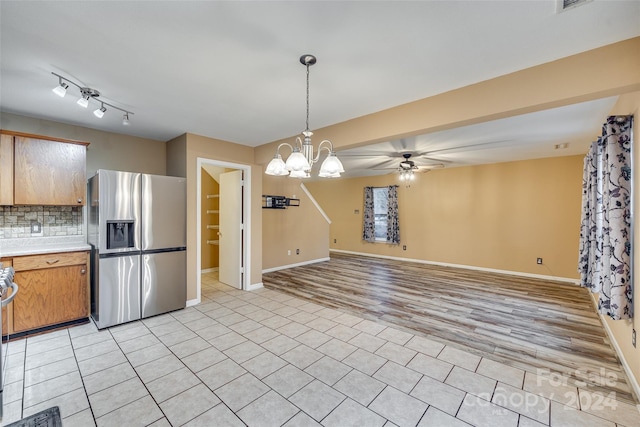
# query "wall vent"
(562, 5)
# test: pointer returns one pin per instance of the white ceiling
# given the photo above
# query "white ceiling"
(230, 70)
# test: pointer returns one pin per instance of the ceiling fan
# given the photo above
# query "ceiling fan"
(407, 164)
(408, 168)
(388, 159)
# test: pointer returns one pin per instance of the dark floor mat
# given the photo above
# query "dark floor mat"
(47, 418)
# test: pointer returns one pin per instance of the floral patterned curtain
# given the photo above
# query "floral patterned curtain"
(393, 225)
(605, 229)
(369, 225)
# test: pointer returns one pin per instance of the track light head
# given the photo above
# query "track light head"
(61, 89)
(99, 112)
(125, 119)
(83, 101)
(86, 94)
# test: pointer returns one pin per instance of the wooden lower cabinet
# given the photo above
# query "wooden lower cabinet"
(54, 289)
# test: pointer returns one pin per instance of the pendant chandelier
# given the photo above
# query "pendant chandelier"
(302, 158)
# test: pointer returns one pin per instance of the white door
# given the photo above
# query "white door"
(230, 233)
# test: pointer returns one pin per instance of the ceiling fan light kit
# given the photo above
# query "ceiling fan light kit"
(407, 168)
(86, 94)
(302, 158)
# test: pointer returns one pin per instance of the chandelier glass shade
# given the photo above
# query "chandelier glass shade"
(302, 157)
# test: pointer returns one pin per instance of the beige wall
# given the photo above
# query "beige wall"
(209, 253)
(301, 227)
(106, 150)
(208, 148)
(177, 156)
(622, 329)
(501, 216)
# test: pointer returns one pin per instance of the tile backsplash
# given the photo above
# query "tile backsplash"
(16, 221)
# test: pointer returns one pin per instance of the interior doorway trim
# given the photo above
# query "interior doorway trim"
(246, 220)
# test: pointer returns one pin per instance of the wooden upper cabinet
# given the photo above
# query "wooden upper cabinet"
(49, 172)
(6, 170)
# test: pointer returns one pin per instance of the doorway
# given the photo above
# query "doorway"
(223, 222)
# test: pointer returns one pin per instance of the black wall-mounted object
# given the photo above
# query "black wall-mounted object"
(278, 202)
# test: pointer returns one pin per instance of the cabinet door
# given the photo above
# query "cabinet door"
(49, 172)
(6, 170)
(50, 296)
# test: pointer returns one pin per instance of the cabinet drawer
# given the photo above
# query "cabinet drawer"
(35, 262)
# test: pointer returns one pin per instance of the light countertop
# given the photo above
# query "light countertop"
(42, 245)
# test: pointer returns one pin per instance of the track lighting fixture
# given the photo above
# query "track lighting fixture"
(86, 94)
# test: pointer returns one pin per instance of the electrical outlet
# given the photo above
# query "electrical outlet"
(538, 260)
(297, 251)
(404, 247)
(36, 228)
(289, 252)
(335, 240)
(633, 337)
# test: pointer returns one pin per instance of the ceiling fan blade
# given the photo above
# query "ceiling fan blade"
(390, 162)
(433, 159)
(399, 145)
(430, 167)
(478, 146)
(371, 154)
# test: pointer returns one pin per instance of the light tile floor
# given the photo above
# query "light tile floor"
(263, 358)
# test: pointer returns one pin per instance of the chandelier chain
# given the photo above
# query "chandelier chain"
(307, 129)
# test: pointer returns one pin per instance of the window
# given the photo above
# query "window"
(380, 220)
(380, 208)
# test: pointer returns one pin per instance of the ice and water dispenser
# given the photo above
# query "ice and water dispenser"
(120, 234)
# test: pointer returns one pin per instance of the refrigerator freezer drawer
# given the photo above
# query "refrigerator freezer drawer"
(164, 276)
(118, 290)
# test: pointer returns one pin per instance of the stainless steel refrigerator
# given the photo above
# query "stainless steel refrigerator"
(137, 233)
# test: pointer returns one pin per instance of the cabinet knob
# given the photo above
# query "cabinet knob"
(79, 199)
(83, 271)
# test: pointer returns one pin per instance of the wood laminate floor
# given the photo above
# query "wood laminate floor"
(536, 325)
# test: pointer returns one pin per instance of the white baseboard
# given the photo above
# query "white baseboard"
(284, 267)
(468, 267)
(254, 286)
(633, 381)
(193, 302)
(209, 270)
